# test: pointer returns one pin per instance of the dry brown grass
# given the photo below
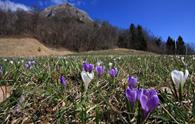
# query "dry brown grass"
(5, 92)
(13, 47)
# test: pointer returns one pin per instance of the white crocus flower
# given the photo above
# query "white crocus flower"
(11, 62)
(110, 64)
(87, 78)
(182, 58)
(179, 78)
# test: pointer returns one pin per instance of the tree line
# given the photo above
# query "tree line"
(73, 34)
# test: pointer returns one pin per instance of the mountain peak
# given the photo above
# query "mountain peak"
(66, 10)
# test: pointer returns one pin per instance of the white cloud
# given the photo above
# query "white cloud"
(9, 5)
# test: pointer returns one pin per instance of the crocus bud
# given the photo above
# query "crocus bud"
(179, 78)
(11, 62)
(132, 82)
(87, 78)
(131, 95)
(100, 70)
(110, 64)
(88, 67)
(113, 72)
(63, 81)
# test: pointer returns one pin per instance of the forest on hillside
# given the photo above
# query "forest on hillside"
(73, 34)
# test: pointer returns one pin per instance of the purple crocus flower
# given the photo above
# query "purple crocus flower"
(63, 81)
(131, 94)
(87, 67)
(132, 82)
(149, 101)
(113, 72)
(99, 70)
(27, 66)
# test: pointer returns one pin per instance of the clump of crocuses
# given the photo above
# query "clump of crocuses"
(29, 64)
(146, 99)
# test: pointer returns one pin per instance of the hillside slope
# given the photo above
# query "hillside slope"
(10, 47)
(30, 47)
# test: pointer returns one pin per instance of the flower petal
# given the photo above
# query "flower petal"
(153, 102)
(90, 75)
(139, 92)
(143, 101)
(132, 81)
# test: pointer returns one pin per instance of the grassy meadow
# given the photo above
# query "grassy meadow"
(39, 97)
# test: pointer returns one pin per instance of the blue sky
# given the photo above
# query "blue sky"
(162, 17)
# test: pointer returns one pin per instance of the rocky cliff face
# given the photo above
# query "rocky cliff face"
(66, 11)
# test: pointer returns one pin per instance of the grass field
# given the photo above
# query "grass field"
(39, 97)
